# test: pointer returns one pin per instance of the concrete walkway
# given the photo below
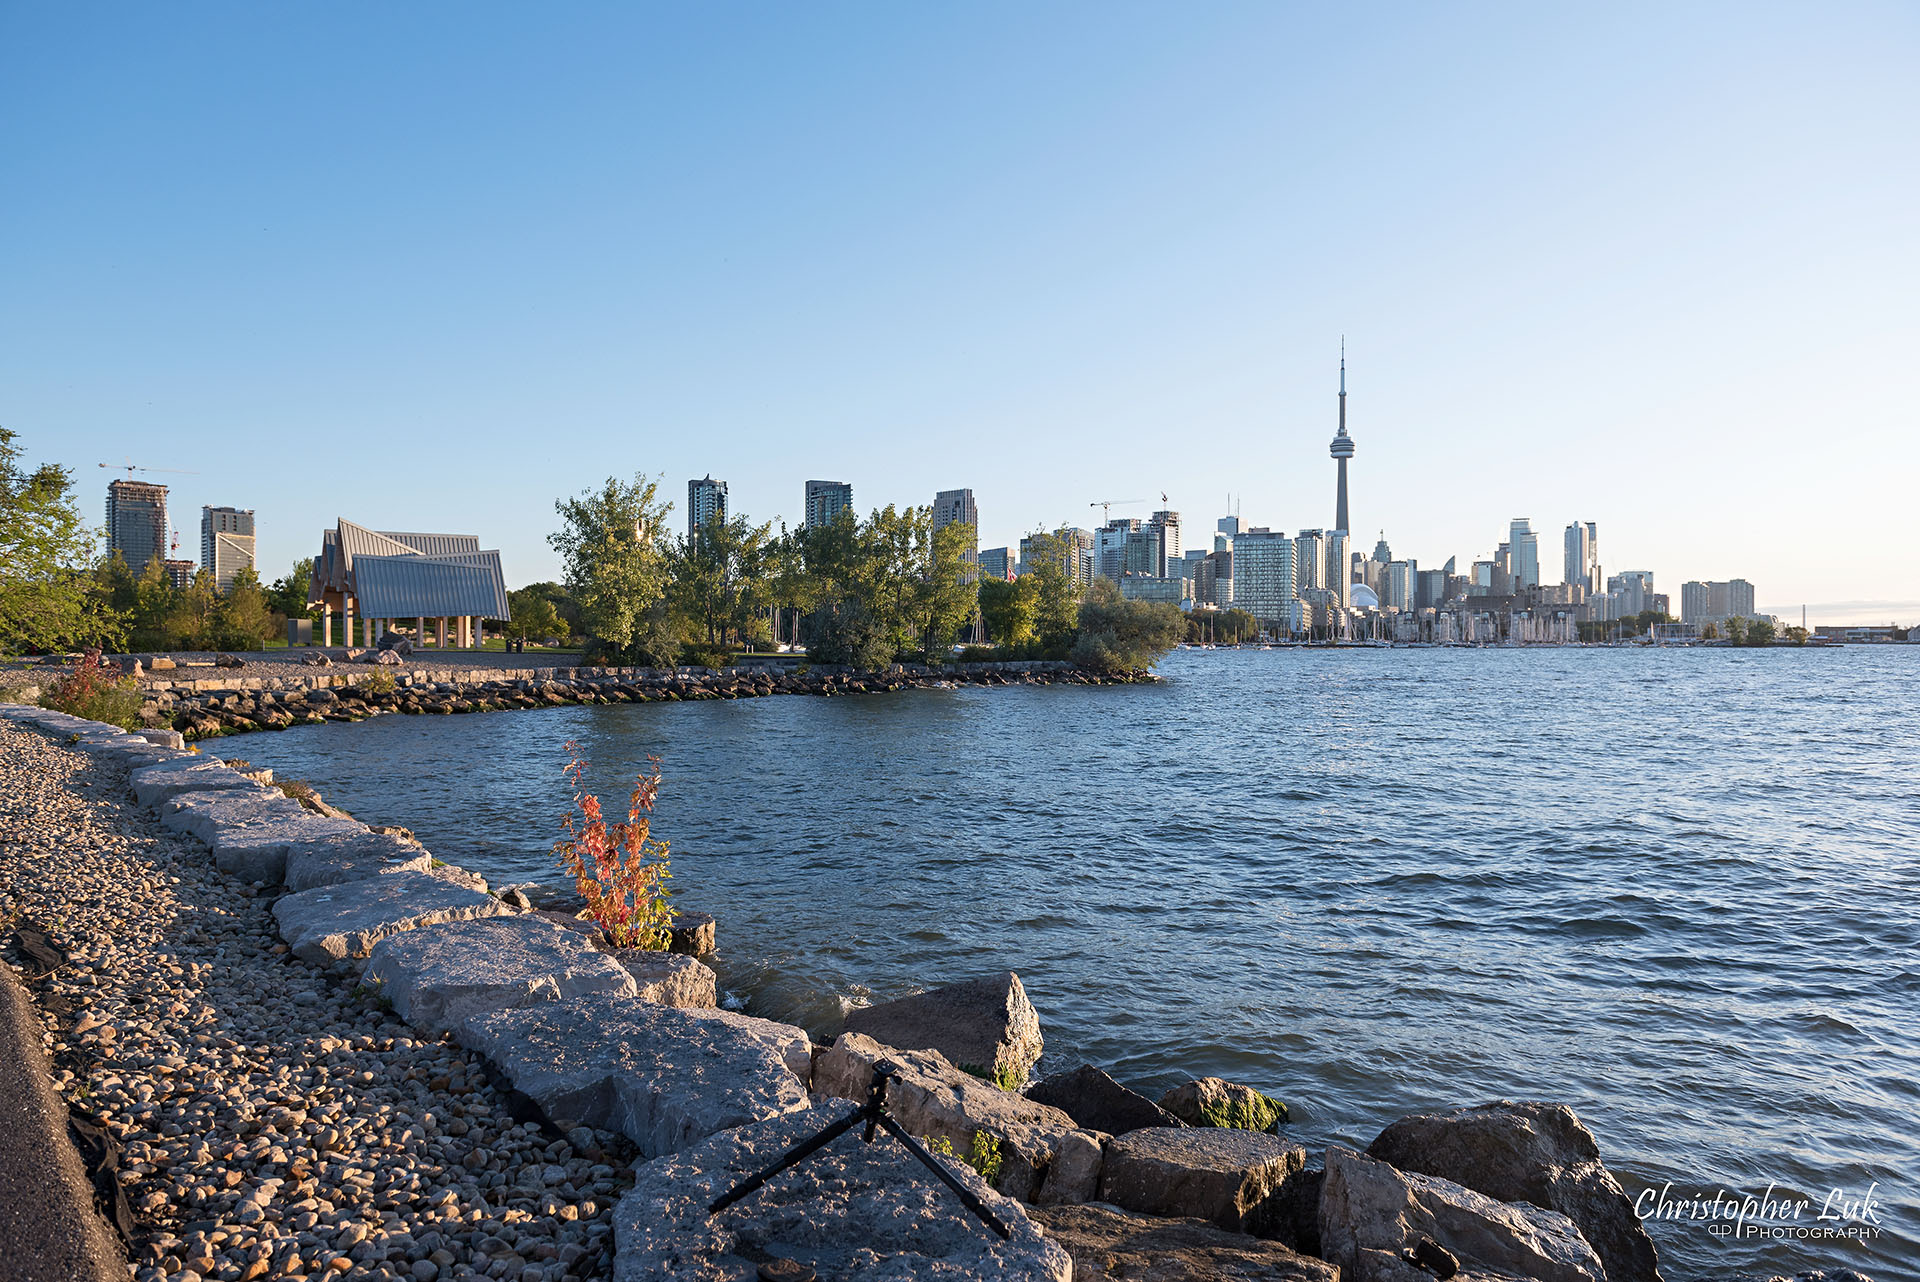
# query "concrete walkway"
(49, 1230)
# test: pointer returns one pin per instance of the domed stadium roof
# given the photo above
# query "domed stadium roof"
(1364, 598)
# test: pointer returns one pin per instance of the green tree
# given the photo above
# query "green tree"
(192, 615)
(531, 615)
(288, 595)
(1050, 562)
(1118, 635)
(949, 592)
(48, 597)
(616, 568)
(721, 581)
(1708, 632)
(1760, 632)
(154, 600)
(1009, 608)
(241, 620)
(1736, 630)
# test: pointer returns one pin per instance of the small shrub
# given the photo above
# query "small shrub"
(984, 1157)
(1007, 1079)
(14, 694)
(619, 869)
(378, 683)
(978, 654)
(93, 691)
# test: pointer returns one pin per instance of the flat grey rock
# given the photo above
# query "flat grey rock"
(336, 922)
(1107, 1243)
(1209, 1173)
(1098, 1103)
(852, 1212)
(203, 814)
(1044, 1156)
(1369, 1211)
(156, 783)
(789, 1041)
(439, 976)
(663, 1077)
(336, 858)
(258, 851)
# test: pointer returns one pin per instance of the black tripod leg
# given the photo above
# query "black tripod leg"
(966, 1194)
(795, 1155)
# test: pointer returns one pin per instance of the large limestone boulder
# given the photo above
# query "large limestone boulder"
(332, 859)
(1044, 1156)
(663, 1077)
(1107, 1243)
(672, 979)
(162, 780)
(1214, 1101)
(201, 814)
(258, 851)
(1210, 1173)
(1371, 1213)
(852, 1212)
(790, 1042)
(986, 1026)
(333, 923)
(440, 976)
(1097, 1102)
(1528, 1152)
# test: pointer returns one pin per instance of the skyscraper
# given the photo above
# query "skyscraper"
(137, 522)
(1583, 556)
(1168, 523)
(1263, 582)
(997, 563)
(1525, 551)
(1342, 447)
(1309, 561)
(706, 501)
(957, 505)
(826, 500)
(226, 542)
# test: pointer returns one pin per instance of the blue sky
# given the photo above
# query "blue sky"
(434, 266)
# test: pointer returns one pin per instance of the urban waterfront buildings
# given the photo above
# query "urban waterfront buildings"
(1523, 553)
(706, 501)
(1263, 578)
(1712, 602)
(826, 500)
(137, 522)
(226, 543)
(998, 563)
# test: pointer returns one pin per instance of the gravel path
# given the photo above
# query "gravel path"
(277, 1122)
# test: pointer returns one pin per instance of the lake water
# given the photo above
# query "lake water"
(1675, 889)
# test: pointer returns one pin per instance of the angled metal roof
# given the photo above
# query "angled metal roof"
(358, 541)
(436, 544)
(405, 587)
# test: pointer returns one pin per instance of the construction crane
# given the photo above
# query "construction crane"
(1105, 506)
(129, 467)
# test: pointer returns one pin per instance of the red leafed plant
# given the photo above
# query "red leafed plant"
(621, 871)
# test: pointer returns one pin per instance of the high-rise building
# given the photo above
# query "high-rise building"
(1381, 552)
(957, 505)
(1074, 556)
(997, 563)
(1629, 593)
(1145, 552)
(1711, 602)
(1583, 556)
(179, 573)
(706, 501)
(137, 522)
(1263, 582)
(1342, 448)
(1110, 546)
(1309, 561)
(1525, 545)
(226, 542)
(1227, 525)
(1339, 573)
(826, 500)
(1398, 589)
(1168, 523)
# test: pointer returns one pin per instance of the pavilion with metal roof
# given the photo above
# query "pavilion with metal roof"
(383, 576)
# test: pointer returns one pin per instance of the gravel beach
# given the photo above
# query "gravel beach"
(276, 1120)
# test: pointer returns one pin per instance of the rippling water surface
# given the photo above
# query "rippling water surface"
(1675, 889)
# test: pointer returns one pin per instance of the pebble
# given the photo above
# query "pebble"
(274, 1123)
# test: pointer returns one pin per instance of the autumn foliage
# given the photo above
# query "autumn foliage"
(620, 870)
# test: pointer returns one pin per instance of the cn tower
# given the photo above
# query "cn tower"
(1342, 447)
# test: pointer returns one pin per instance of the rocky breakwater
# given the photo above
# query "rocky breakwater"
(419, 1078)
(207, 706)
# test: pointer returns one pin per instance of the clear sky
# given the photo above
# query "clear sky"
(433, 266)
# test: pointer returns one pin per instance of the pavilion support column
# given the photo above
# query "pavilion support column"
(420, 631)
(346, 621)
(326, 625)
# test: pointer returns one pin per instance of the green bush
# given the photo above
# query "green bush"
(978, 654)
(1118, 635)
(91, 690)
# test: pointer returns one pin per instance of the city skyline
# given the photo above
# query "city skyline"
(1647, 288)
